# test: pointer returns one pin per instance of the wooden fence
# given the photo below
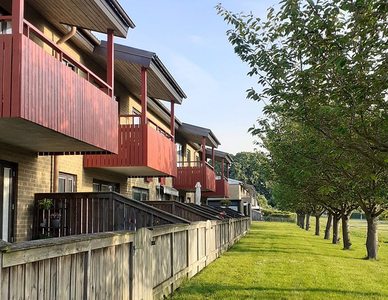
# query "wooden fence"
(147, 264)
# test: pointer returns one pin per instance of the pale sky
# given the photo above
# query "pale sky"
(190, 39)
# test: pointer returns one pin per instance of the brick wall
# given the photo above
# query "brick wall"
(33, 177)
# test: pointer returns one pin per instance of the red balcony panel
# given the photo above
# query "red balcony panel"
(58, 110)
(161, 152)
(187, 178)
(143, 151)
(222, 189)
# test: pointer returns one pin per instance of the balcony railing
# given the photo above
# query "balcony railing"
(191, 172)
(144, 150)
(82, 213)
(69, 109)
(222, 189)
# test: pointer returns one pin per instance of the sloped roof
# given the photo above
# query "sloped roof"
(193, 133)
(96, 15)
(219, 155)
(128, 63)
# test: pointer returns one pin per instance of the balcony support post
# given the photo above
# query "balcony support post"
(213, 157)
(222, 169)
(17, 32)
(172, 123)
(203, 152)
(204, 185)
(110, 60)
(143, 96)
(227, 171)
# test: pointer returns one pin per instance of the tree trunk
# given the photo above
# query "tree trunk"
(372, 236)
(346, 232)
(308, 221)
(317, 225)
(302, 221)
(328, 226)
(335, 230)
(298, 219)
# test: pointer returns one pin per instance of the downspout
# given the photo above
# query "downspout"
(67, 36)
(62, 40)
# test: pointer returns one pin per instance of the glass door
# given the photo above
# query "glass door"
(7, 173)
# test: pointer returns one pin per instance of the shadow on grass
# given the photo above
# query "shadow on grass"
(204, 289)
(291, 251)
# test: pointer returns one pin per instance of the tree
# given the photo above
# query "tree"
(323, 64)
(248, 167)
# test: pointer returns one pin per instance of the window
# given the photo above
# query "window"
(179, 151)
(140, 194)
(136, 120)
(5, 26)
(67, 183)
(105, 186)
(69, 64)
(198, 159)
(188, 157)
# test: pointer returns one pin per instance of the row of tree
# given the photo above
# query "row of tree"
(323, 69)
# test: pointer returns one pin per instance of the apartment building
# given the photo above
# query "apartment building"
(242, 197)
(83, 115)
(55, 97)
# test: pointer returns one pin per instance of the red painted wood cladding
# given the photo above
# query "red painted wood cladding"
(139, 146)
(222, 189)
(187, 177)
(54, 96)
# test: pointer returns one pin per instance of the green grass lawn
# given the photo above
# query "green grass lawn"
(282, 261)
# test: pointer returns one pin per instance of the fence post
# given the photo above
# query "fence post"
(172, 241)
(142, 266)
(2, 288)
(230, 233)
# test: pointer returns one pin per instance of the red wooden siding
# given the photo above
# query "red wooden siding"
(5, 74)
(187, 177)
(222, 189)
(55, 97)
(139, 146)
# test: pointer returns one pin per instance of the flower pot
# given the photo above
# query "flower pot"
(54, 223)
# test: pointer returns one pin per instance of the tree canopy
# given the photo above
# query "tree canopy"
(321, 67)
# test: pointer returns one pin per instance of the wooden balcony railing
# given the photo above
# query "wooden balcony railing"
(140, 145)
(70, 102)
(60, 54)
(189, 173)
(222, 189)
(95, 212)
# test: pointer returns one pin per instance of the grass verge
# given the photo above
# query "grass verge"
(282, 261)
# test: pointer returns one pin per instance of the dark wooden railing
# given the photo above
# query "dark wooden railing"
(185, 211)
(95, 212)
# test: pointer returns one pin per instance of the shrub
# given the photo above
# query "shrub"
(279, 216)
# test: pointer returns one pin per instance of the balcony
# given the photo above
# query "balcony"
(47, 106)
(192, 172)
(222, 189)
(144, 150)
(83, 213)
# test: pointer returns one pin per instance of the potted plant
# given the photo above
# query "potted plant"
(55, 219)
(45, 203)
(225, 202)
